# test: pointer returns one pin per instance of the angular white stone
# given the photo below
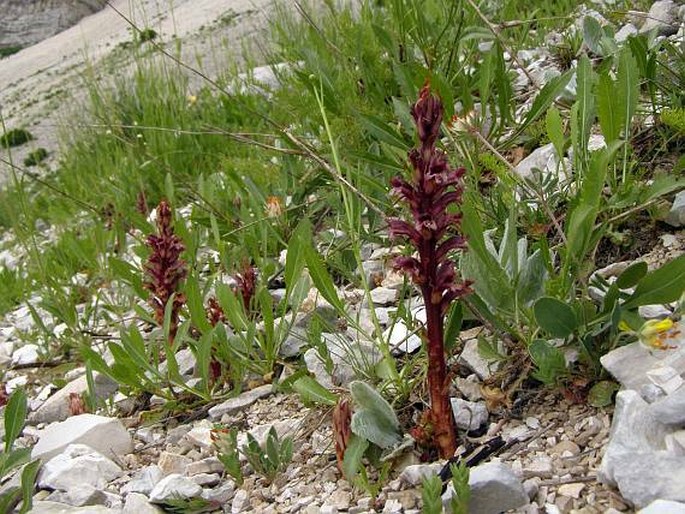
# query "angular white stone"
(175, 486)
(240, 402)
(56, 408)
(144, 481)
(494, 488)
(48, 507)
(663, 507)
(137, 503)
(414, 474)
(635, 432)
(671, 409)
(106, 435)
(78, 465)
(469, 415)
(27, 354)
(401, 339)
(676, 216)
(241, 501)
(666, 377)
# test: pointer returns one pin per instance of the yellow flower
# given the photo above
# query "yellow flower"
(192, 99)
(654, 333)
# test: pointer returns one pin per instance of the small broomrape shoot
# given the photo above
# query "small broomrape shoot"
(433, 192)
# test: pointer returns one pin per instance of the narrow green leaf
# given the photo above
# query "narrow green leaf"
(294, 261)
(13, 459)
(28, 480)
(9, 499)
(555, 317)
(663, 285)
(380, 129)
(232, 307)
(542, 101)
(321, 278)
(628, 87)
(312, 392)
(584, 110)
(195, 304)
(15, 416)
(453, 325)
(555, 130)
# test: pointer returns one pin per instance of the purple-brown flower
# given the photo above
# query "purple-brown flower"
(165, 269)
(432, 195)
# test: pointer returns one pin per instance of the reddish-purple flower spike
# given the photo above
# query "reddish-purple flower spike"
(433, 230)
(165, 269)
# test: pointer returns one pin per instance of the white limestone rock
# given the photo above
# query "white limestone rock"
(105, 435)
(78, 465)
(494, 488)
(137, 503)
(469, 415)
(175, 486)
(240, 402)
(56, 408)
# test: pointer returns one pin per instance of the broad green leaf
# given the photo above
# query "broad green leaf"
(28, 480)
(602, 393)
(632, 275)
(488, 351)
(486, 73)
(312, 392)
(478, 264)
(367, 397)
(508, 250)
(549, 361)
(15, 416)
(609, 110)
(592, 34)
(583, 112)
(627, 87)
(272, 452)
(532, 279)
(203, 356)
(663, 285)
(555, 317)
(266, 308)
(294, 260)
(374, 418)
(581, 221)
(352, 462)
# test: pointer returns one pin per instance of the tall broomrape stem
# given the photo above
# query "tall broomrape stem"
(165, 269)
(433, 230)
